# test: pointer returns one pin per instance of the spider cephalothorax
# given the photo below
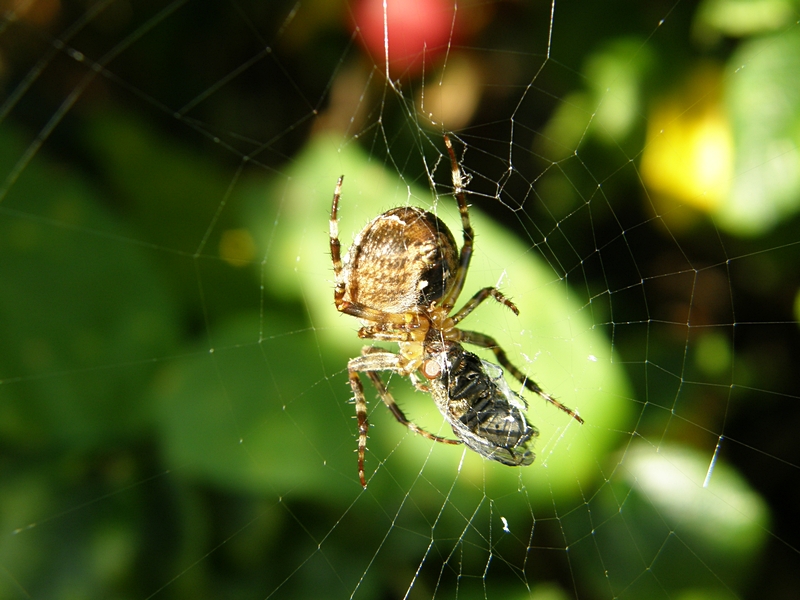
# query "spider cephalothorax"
(402, 277)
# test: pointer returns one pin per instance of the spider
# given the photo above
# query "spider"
(402, 277)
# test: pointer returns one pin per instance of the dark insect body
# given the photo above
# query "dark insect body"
(479, 405)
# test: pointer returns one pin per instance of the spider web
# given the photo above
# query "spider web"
(174, 413)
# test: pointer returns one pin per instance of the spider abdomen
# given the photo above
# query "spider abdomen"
(401, 260)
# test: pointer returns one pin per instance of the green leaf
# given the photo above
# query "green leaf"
(739, 18)
(82, 312)
(249, 415)
(667, 524)
(763, 100)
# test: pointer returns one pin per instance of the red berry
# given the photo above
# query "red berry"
(416, 32)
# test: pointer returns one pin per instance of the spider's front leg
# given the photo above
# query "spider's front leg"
(468, 233)
(485, 341)
(478, 298)
(347, 306)
(363, 424)
(368, 362)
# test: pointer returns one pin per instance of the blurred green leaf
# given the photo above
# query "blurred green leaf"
(92, 554)
(661, 530)
(616, 75)
(763, 100)
(249, 414)
(187, 209)
(85, 307)
(180, 196)
(739, 18)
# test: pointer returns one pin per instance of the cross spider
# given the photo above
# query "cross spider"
(402, 277)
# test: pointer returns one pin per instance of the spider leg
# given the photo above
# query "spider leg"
(355, 309)
(410, 331)
(388, 400)
(365, 313)
(363, 424)
(469, 234)
(336, 245)
(480, 297)
(370, 362)
(419, 384)
(376, 361)
(484, 341)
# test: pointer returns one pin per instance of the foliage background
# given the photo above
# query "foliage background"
(172, 385)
